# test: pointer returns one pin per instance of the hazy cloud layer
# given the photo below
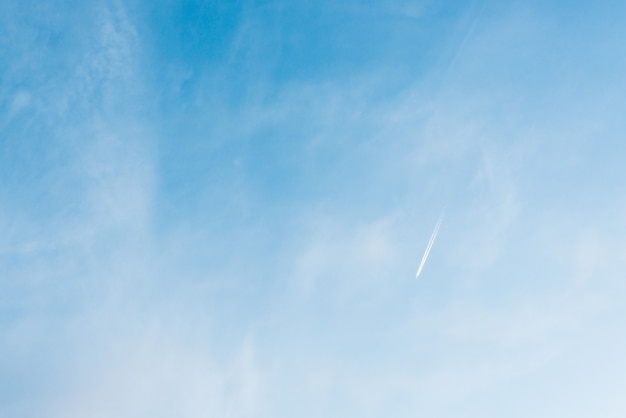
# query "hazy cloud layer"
(216, 209)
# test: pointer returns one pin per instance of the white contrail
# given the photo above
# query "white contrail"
(429, 246)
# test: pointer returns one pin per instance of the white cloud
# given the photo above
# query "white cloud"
(157, 375)
(344, 255)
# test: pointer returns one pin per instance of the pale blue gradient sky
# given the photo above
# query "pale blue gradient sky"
(217, 208)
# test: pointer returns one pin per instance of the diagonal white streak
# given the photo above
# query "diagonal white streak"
(429, 246)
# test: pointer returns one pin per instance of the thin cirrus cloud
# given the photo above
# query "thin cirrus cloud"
(209, 209)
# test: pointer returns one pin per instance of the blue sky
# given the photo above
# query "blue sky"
(217, 208)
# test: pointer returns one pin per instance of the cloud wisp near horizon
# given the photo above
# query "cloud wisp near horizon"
(210, 208)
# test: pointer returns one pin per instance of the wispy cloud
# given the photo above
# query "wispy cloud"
(212, 210)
